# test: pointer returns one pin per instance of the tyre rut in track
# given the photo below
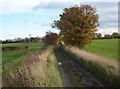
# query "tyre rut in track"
(86, 78)
(64, 76)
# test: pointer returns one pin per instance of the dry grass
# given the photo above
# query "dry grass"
(34, 71)
(110, 65)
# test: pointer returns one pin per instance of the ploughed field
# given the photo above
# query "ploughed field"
(105, 47)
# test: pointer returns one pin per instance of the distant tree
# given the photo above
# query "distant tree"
(77, 25)
(26, 40)
(32, 39)
(37, 39)
(0, 41)
(51, 38)
(18, 39)
(99, 35)
(108, 36)
(116, 35)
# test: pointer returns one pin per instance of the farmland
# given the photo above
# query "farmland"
(106, 47)
(32, 46)
(12, 59)
(41, 65)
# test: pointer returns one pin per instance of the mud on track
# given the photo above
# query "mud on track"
(86, 79)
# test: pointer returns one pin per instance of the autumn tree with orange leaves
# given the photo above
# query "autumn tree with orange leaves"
(51, 38)
(77, 25)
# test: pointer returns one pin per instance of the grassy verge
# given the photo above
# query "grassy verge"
(97, 70)
(50, 75)
(53, 77)
(105, 47)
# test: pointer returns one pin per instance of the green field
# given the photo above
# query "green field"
(105, 47)
(32, 46)
(12, 59)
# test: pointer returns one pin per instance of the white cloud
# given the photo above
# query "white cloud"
(13, 36)
(108, 30)
(15, 6)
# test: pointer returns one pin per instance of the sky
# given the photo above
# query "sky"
(19, 18)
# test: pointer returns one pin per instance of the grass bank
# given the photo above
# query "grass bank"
(103, 68)
(39, 69)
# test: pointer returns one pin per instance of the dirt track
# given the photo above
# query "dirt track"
(86, 78)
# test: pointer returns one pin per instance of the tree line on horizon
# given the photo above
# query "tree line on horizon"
(21, 40)
(52, 38)
(114, 35)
